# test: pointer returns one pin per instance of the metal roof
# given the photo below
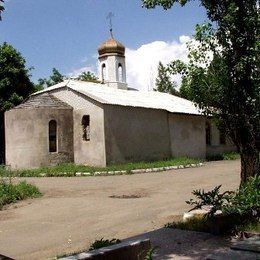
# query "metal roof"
(112, 96)
(44, 100)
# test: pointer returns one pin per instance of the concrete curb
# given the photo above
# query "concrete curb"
(136, 171)
(124, 250)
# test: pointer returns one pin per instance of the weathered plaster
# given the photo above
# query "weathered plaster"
(27, 140)
(135, 134)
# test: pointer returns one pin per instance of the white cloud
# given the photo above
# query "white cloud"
(142, 63)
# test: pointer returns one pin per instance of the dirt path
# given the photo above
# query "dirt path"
(75, 211)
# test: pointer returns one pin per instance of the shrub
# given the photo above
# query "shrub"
(10, 193)
(214, 199)
(103, 243)
(238, 209)
(246, 200)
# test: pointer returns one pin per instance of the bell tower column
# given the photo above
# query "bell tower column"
(112, 64)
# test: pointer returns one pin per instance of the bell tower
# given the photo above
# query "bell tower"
(112, 63)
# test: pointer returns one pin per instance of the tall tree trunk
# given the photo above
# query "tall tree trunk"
(249, 165)
(2, 138)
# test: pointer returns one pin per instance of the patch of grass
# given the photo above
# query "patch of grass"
(199, 224)
(103, 243)
(224, 156)
(231, 156)
(11, 193)
(253, 227)
(70, 169)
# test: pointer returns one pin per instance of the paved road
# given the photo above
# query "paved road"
(75, 211)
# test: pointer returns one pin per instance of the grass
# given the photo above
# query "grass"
(100, 243)
(70, 169)
(224, 156)
(203, 224)
(250, 227)
(11, 193)
(200, 224)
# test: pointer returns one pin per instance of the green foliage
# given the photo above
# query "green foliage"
(1, 9)
(243, 203)
(231, 156)
(222, 75)
(163, 81)
(15, 84)
(88, 76)
(103, 243)
(70, 169)
(11, 193)
(224, 156)
(151, 252)
(249, 227)
(213, 198)
(246, 201)
(193, 224)
(238, 211)
(54, 79)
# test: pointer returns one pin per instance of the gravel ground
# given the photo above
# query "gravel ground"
(75, 211)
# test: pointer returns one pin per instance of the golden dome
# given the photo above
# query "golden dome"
(111, 46)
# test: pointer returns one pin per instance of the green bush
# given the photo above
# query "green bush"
(103, 243)
(237, 210)
(11, 193)
(214, 199)
(246, 200)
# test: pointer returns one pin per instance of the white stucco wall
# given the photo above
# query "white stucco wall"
(135, 134)
(187, 135)
(90, 152)
(27, 137)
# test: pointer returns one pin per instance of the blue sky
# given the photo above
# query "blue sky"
(66, 33)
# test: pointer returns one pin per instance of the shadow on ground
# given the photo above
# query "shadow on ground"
(180, 244)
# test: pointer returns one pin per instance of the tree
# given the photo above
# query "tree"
(230, 88)
(1, 9)
(163, 81)
(88, 76)
(55, 78)
(15, 85)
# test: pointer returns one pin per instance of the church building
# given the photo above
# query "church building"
(109, 122)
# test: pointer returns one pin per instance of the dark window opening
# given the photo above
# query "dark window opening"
(208, 134)
(86, 128)
(120, 72)
(103, 72)
(52, 136)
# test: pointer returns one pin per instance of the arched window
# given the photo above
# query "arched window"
(120, 72)
(208, 134)
(103, 72)
(85, 127)
(52, 136)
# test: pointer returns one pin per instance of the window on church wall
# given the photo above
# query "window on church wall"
(52, 136)
(208, 134)
(120, 72)
(103, 72)
(86, 127)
